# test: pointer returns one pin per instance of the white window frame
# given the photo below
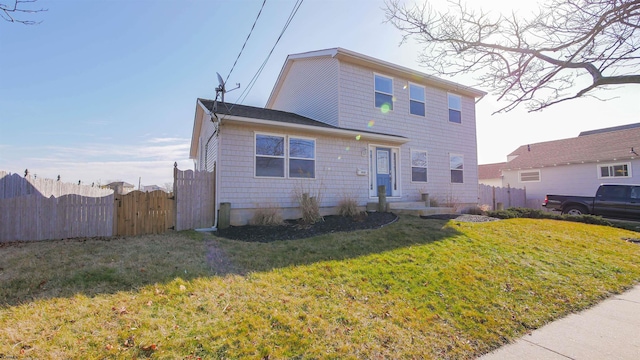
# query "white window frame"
(449, 96)
(375, 90)
(529, 171)
(423, 101)
(286, 156)
(426, 167)
(256, 155)
(451, 155)
(289, 157)
(610, 166)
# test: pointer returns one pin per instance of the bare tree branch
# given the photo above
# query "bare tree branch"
(533, 61)
(9, 11)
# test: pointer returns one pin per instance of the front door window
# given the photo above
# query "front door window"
(383, 169)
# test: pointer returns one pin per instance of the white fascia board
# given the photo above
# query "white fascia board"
(201, 113)
(195, 134)
(316, 129)
(351, 56)
(287, 65)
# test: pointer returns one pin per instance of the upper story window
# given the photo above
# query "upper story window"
(302, 158)
(455, 108)
(457, 167)
(383, 92)
(416, 99)
(418, 166)
(530, 176)
(614, 170)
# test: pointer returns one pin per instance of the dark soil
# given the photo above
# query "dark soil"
(294, 229)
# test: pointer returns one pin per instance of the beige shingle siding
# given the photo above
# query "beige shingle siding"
(311, 89)
(432, 132)
(335, 171)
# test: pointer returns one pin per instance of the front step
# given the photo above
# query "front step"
(416, 208)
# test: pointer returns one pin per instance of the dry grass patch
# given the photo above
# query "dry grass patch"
(414, 289)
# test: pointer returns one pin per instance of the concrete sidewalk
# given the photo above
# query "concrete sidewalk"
(609, 330)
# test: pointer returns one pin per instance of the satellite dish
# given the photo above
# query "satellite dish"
(221, 89)
(220, 84)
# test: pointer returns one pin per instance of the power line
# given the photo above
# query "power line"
(246, 40)
(246, 91)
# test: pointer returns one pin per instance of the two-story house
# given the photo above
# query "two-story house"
(340, 124)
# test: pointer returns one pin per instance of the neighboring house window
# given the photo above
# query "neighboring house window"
(614, 170)
(456, 165)
(383, 92)
(455, 108)
(418, 166)
(416, 99)
(302, 158)
(269, 155)
(530, 176)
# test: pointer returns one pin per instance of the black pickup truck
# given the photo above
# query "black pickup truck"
(615, 201)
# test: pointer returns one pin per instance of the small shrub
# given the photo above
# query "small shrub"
(513, 213)
(475, 210)
(433, 202)
(310, 209)
(348, 207)
(309, 198)
(269, 216)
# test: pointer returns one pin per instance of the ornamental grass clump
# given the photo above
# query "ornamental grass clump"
(348, 207)
(269, 216)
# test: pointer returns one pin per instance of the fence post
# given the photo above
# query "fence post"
(176, 225)
(493, 197)
(382, 198)
(225, 215)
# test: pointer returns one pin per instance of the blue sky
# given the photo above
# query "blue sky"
(105, 90)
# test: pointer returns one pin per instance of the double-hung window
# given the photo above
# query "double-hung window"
(614, 170)
(455, 108)
(457, 168)
(270, 155)
(277, 153)
(383, 92)
(416, 99)
(302, 158)
(418, 166)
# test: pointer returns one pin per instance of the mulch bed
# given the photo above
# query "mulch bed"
(294, 229)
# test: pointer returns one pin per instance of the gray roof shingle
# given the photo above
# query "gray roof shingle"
(613, 144)
(274, 115)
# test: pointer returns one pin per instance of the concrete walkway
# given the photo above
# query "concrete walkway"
(609, 330)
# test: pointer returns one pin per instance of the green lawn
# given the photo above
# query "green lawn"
(415, 289)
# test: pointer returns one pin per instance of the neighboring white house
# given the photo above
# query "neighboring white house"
(120, 187)
(575, 166)
(339, 124)
(491, 174)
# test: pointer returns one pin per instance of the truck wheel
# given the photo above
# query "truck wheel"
(574, 210)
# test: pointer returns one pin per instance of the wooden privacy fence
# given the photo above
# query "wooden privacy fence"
(43, 209)
(139, 213)
(195, 202)
(509, 197)
(35, 217)
(13, 185)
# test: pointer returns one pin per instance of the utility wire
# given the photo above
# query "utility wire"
(253, 81)
(246, 40)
